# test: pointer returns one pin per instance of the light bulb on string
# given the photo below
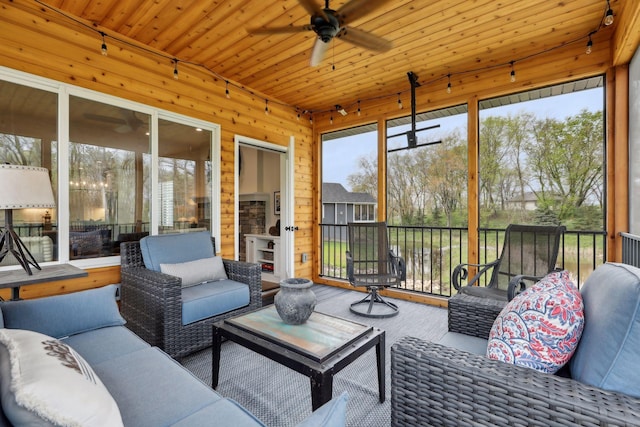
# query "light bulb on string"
(399, 102)
(266, 107)
(331, 118)
(589, 45)
(226, 90)
(513, 73)
(103, 48)
(359, 108)
(608, 16)
(448, 83)
(175, 69)
(310, 118)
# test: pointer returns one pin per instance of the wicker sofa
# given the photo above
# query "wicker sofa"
(441, 384)
(157, 307)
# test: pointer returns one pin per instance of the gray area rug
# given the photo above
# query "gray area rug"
(281, 397)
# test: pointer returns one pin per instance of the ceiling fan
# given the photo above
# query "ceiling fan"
(129, 122)
(328, 23)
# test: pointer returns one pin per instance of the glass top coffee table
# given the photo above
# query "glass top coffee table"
(319, 348)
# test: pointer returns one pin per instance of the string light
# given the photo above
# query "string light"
(399, 102)
(589, 45)
(608, 16)
(103, 48)
(266, 107)
(608, 19)
(448, 83)
(298, 115)
(226, 90)
(331, 118)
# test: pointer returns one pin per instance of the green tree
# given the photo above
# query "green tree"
(566, 160)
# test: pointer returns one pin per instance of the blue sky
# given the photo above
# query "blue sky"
(340, 156)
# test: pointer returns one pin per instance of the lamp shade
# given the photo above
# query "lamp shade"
(25, 187)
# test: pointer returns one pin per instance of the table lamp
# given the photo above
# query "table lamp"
(22, 187)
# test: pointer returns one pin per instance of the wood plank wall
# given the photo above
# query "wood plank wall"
(42, 43)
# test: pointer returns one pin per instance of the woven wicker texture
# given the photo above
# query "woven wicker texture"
(151, 302)
(471, 315)
(434, 385)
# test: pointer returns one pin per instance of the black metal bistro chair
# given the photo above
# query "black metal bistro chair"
(528, 254)
(372, 264)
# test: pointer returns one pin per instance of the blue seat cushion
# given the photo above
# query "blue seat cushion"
(464, 342)
(212, 298)
(102, 344)
(225, 412)
(151, 389)
(175, 248)
(607, 355)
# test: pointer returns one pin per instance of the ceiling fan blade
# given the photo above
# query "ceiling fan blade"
(319, 50)
(364, 39)
(312, 8)
(279, 30)
(106, 119)
(355, 9)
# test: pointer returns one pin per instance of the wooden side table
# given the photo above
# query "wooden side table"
(15, 278)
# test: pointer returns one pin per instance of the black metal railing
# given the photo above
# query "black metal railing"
(431, 253)
(630, 249)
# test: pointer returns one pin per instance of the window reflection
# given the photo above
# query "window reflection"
(28, 132)
(184, 177)
(108, 177)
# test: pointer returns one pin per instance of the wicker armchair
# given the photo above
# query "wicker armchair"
(151, 302)
(436, 385)
(529, 252)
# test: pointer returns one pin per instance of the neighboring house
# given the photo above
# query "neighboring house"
(528, 202)
(340, 206)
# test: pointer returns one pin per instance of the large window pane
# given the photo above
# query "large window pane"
(427, 184)
(184, 177)
(108, 177)
(542, 162)
(28, 133)
(350, 175)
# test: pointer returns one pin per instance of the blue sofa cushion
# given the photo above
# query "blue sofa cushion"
(212, 298)
(152, 390)
(331, 414)
(105, 343)
(62, 315)
(175, 248)
(222, 410)
(607, 355)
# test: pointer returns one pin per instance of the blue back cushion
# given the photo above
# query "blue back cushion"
(63, 315)
(607, 355)
(175, 248)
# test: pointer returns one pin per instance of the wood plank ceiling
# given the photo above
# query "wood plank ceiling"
(433, 38)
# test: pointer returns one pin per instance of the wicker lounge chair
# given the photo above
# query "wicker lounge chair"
(151, 302)
(438, 384)
(372, 264)
(529, 252)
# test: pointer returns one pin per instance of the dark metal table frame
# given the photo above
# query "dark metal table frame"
(320, 373)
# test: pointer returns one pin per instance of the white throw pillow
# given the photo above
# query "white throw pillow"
(196, 272)
(43, 381)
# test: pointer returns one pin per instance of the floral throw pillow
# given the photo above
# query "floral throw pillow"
(541, 327)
